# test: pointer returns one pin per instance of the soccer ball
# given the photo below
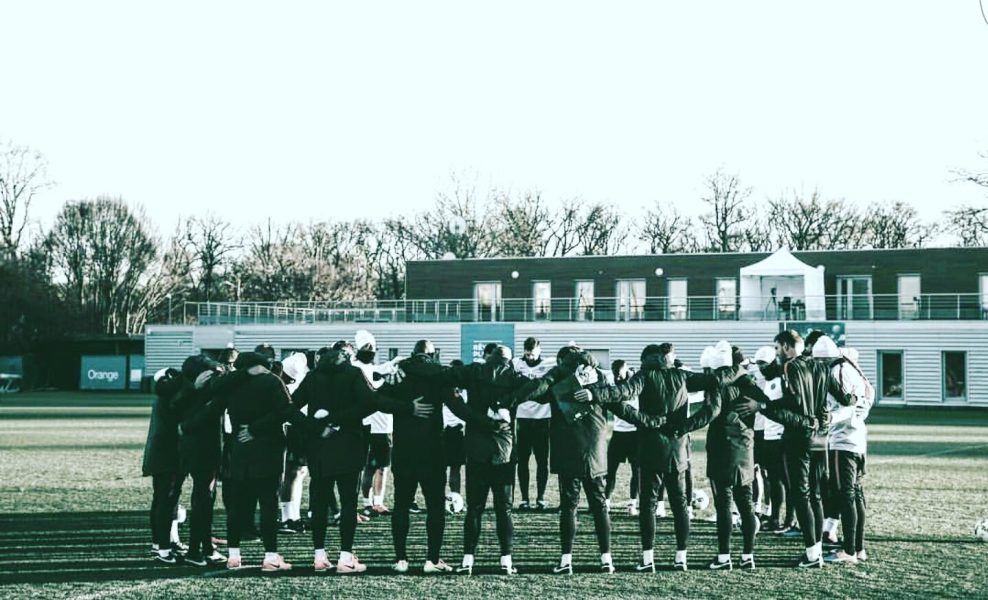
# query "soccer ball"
(454, 503)
(700, 500)
(981, 530)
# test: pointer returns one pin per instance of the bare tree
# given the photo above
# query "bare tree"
(23, 174)
(460, 223)
(666, 231)
(724, 225)
(103, 251)
(812, 223)
(969, 224)
(389, 252)
(525, 224)
(210, 243)
(896, 225)
(564, 232)
(600, 231)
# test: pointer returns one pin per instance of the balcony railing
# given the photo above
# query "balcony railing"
(945, 307)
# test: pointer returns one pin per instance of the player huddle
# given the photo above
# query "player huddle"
(786, 428)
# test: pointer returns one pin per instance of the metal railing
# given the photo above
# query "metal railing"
(948, 307)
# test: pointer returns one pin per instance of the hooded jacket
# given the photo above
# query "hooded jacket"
(666, 394)
(731, 438)
(341, 389)
(803, 409)
(161, 446)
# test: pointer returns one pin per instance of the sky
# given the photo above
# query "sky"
(339, 110)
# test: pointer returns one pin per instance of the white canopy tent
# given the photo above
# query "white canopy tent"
(782, 287)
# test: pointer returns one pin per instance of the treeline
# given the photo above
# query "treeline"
(104, 268)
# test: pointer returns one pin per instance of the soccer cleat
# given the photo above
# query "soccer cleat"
(436, 567)
(862, 555)
(563, 569)
(276, 565)
(748, 564)
(805, 563)
(336, 518)
(512, 570)
(524, 506)
(322, 565)
(362, 518)
(541, 506)
(414, 508)
(195, 558)
(650, 567)
(633, 510)
(841, 557)
(179, 548)
(792, 532)
(168, 558)
(216, 558)
(464, 570)
(400, 567)
(218, 541)
(352, 567)
(716, 565)
(680, 566)
(286, 527)
(607, 568)
(153, 550)
(233, 563)
(380, 510)
(830, 541)
(367, 512)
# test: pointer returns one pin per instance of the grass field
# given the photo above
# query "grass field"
(73, 524)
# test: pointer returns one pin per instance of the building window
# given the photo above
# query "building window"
(909, 296)
(727, 298)
(955, 375)
(983, 286)
(541, 300)
(854, 298)
(631, 299)
(487, 300)
(678, 300)
(584, 300)
(890, 375)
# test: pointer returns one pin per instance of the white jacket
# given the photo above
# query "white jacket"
(848, 431)
(773, 390)
(532, 409)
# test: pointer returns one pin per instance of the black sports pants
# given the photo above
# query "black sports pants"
(432, 479)
(847, 489)
(808, 475)
(320, 498)
(263, 490)
(569, 500)
(201, 521)
(166, 490)
(651, 485)
(533, 438)
(723, 497)
(483, 479)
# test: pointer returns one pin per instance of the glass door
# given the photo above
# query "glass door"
(487, 300)
(854, 298)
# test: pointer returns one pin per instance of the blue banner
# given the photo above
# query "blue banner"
(103, 373)
(474, 336)
(835, 329)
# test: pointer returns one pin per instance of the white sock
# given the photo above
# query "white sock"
(818, 549)
(164, 553)
(648, 557)
(154, 547)
(367, 501)
(321, 554)
(829, 525)
(723, 558)
(378, 500)
(747, 557)
(346, 557)
(758, 507)
(605, 558)
(567, 559)
(174, 533)
(270, 557)
(680, 556)
(812, 553)
(295, 510)
(234, 552)
(468, 560)
(286, 512)
(506, 561)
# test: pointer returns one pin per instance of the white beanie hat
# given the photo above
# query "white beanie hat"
(705, 357)
(363, 338)
(850, 354)
(765, 354)
(825, 348)
(296, 366)
(722, 356)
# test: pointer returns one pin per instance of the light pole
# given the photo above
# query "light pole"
(169, 296)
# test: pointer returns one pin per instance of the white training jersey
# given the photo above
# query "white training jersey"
(379, 422)
(449, 419)
(532, 409)
(622, 425)
(848, 431)
(773, 390)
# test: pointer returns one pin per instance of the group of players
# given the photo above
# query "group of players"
(786, 428)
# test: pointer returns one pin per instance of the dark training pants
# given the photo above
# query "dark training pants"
(651, 484)
(808, 475)
(432, 479)
(622, 447)
(264, 491)
(166, 490)
(777, 476)
(533, 438)
(847, 489)
(483, 479)
(741, 495)
(201, 521)
(569, 500)
(320, 498)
